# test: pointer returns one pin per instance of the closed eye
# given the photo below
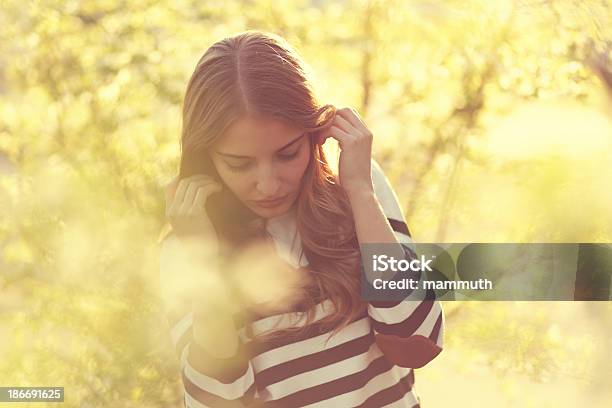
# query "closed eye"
(238, 169)
(288, 157)
(244, 167)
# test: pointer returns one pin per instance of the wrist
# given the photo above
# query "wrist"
(359, 193)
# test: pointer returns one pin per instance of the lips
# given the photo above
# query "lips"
(270, 203)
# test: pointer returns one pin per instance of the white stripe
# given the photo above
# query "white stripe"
(408, 401)
(384, 193)
(427, 325)
(395, 314)
(232, 390)
(181, 327)
(440, 339)
(404, 239)
(192, 402)
(359, 396)
(324, 374)
(306, 347)
(402, 311)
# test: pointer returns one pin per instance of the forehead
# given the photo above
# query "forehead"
(250, 136)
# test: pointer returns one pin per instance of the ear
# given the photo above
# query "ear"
(319, 137)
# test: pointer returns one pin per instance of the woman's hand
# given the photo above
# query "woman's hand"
(355, 141)
(185, 205)
(210, 296)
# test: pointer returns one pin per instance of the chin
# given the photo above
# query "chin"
(272, 212)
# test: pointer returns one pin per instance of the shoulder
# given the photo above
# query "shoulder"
(385, 193)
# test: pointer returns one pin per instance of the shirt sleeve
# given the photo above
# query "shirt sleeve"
(410, 332)
(208, 381)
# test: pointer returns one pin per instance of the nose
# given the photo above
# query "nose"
(268, 184)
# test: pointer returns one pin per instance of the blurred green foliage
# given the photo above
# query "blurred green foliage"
(489, 118)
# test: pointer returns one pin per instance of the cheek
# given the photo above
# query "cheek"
(234, 182)
(298, 167)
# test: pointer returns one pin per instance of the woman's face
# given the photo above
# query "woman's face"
(262, 159)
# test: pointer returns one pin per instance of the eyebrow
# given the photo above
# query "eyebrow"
(248, 157)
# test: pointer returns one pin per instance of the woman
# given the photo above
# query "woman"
(253, 170)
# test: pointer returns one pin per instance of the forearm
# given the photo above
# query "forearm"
(371, 224)
(213, 327)
(215, 365)
(213, 324)
(410, 334)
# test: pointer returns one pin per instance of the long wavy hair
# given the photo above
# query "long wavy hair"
(259, 73)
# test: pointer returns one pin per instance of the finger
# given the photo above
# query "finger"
(200, 177)
(341, 136)
(202, 195)
(189, 197)
(357, 116)
(344, 124)
(179, 195)
(352, 116)
(191, 193)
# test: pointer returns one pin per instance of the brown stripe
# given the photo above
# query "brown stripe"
(385, 304)
(399, 226)
(336, 387)
(408, 252)
(413, 352)
(398, 277)
(389, 395)
(408, 326)
(213, 400)
(314, 361)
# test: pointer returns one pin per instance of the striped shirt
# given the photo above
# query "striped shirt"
(369, 363)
